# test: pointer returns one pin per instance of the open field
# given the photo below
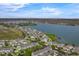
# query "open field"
(10, 33)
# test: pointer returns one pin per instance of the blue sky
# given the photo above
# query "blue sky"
(39, 10)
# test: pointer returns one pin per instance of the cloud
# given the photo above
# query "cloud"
(43, 12)
(20, 10)
(11, 7)
(54, 11)
(47, 10)
(14, 1)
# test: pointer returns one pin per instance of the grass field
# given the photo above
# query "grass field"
(52, 37)
(10, 33)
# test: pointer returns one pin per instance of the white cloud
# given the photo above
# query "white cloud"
(53, 11)
(14, 1)
(12, 7)
(44, 12)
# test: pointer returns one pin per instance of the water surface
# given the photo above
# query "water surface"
(69, 34)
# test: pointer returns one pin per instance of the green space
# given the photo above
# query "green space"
(42, 43)
(7, 25)
(27, 24)
(52, 37)
(35, 48)
(10, 33)
(24, 52)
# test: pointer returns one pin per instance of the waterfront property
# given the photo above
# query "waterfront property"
(26, 41)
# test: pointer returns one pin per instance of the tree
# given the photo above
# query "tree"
(27, 52)
(6, 43)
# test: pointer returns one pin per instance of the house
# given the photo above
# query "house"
(6, 50)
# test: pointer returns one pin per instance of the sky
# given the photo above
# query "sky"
(39, 10)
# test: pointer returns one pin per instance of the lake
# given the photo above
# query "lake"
(68, 34)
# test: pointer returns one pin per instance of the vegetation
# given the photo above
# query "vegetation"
(74, 53)
(27, 24)
(53, 46)
(10, 33)
(52, 37)
(42, 43)
(7, 32)
(59, 49)
(25, 52)
(35, 48)
(7, 25)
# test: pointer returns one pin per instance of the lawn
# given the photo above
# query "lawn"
(52, 37)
